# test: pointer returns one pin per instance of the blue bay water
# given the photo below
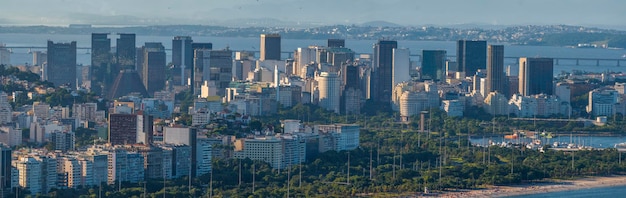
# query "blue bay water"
(613, 191)
(21, 56)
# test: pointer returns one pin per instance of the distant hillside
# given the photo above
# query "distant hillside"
(380, 24)
(575, 38)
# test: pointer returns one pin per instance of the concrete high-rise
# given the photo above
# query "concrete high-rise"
(382, 69)
(329, 85)
(270, 47)
(471, 56)
(61, 67)
(153, 67)
(536, 76)
(496, 80)
(182, 59)
(433, 65)
(213, 65)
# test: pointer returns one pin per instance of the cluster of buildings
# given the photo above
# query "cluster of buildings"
(136, 145)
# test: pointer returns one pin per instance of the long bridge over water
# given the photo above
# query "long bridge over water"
(557, 60)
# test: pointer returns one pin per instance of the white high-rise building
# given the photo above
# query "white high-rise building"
(6, 113)
(302, 57)
(329, 85)
(279, 151)
(602, 102)
(564, 92)
(37, 173)
(30, 173)
(413, 98)
(85, 111)
(401, 65)
(125, 166)
(10, 136)
(496, 104)
(454, 108)
(41, 110)
(338, 137)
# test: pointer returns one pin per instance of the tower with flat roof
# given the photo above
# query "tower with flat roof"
(270, 47)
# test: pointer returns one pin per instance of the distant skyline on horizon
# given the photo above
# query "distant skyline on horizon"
(600, 13)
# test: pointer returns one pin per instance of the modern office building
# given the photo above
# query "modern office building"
(471, 56)
(105, 64)
(101, 61)
(122, 129)
(433, 65)
(382, 82)
(5, 55)
(536, 76)
(61, 67)
(182, 59)
(496, 79)
(336, 43)
(125, 51)
(5, 167)
(401, 64)
(130, 129)
(270, 47)
(154, 63)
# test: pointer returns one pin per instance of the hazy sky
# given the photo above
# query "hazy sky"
(404, 12)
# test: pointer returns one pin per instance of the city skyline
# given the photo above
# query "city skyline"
(403, 12)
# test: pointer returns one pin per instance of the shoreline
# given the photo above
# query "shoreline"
(548, 186)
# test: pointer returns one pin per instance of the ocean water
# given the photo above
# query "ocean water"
(21, 56)
(613, 191)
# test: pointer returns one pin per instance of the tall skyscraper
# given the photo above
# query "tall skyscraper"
(535, 76)
(153, 67)
(496, 80)
(5, 167)
(5, 55)
(433, 65)
(471, 56)
(351, 95)
(382, 84)
(100, 60)
(329, 85)
(401, 65)
(270, 47)
(336, 43)
(182, 58)
(125, 52)
(61, 67)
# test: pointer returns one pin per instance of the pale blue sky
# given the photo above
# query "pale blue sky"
(404, 12)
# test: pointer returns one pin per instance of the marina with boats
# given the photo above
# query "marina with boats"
(549, 140)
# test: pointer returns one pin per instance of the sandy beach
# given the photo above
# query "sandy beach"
(543, 187)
